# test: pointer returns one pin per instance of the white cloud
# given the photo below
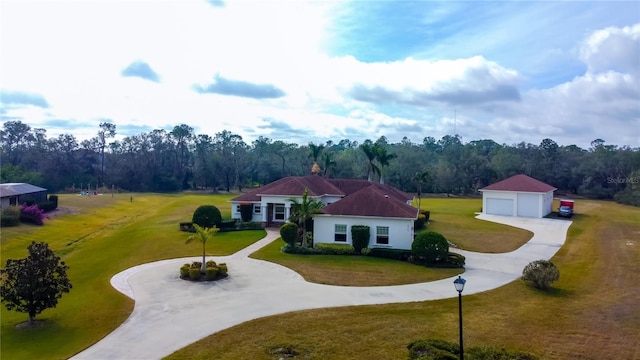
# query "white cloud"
(613, 48)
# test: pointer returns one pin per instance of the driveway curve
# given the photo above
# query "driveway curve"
(170, 313)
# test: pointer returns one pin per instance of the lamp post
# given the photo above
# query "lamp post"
(459, 284)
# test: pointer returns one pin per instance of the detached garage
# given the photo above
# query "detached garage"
(519, 195)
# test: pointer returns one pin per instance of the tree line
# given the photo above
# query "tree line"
(180, 159)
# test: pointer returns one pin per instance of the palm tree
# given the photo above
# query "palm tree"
(315, 151)
(303, 210)
(202, 235)
(328, 163)
(422, 178)
(383, 158)
(371, 151)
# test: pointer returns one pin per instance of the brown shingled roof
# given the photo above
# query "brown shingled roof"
(520, 182)
(372, 200)
(293, 186)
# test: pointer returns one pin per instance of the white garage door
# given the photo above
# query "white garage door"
(500, 206)
(528, 205)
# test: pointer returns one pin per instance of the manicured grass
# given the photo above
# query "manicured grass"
(102, 237)
(351, 270)
(592, 312)
(455, 219)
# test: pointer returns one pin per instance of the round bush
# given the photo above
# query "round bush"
(194, 274)
(211, 272)
(541, 273)
(223, 270)
(289, 233)
(430, 245)
(184, 270)
(207, 216)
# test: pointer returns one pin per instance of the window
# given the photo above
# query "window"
(257, 208)
(382, 235)
(340, 233)
(238, 209)
(278, 212)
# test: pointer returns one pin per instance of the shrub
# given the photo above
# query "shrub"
(360, 235)
(223, 270)
(228, 225)
(207, 216)
(10, 216)
(249, 226)
(419, 223)
(541, 273)
(187, 226)
(427, 215)
(32, 214)
(289, 233)
(335, 249)
(430, 245)
(246, 212)
(291, 249)
(194, 274)
(455, 259)
(184, 270)
(211, 272)
(395, 254)
(54, 200)
(47, 206)
(433, 349)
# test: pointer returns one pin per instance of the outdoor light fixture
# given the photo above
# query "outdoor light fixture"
(459, 284)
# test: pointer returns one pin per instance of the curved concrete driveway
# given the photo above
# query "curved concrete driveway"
(170, 313)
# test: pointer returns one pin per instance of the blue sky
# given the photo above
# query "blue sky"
(326, 70)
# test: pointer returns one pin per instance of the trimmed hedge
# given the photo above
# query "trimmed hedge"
(360, 235)
(246, 212)
(335, 249)
(395, 254)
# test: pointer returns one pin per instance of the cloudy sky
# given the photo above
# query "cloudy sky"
(326, 70)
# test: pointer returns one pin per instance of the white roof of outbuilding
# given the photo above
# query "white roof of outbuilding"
(13, 189)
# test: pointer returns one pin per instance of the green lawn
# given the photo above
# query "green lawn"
(351, 270)
(102, 237)
(455, 219)
(592, 312)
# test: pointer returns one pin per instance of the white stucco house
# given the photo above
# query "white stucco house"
(348, 202)
(519, 195)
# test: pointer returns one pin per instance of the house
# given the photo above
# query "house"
(348, 202)
(519, 195)
(19, 193)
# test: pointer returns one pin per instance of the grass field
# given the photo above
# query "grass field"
(591, 313)
(98, 238)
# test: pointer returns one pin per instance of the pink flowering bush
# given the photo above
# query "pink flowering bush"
(32, 214)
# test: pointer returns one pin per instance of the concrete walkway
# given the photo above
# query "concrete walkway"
(171, 313)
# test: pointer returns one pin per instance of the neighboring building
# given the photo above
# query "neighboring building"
(519, 195)
(19, 193)
(385, 209)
